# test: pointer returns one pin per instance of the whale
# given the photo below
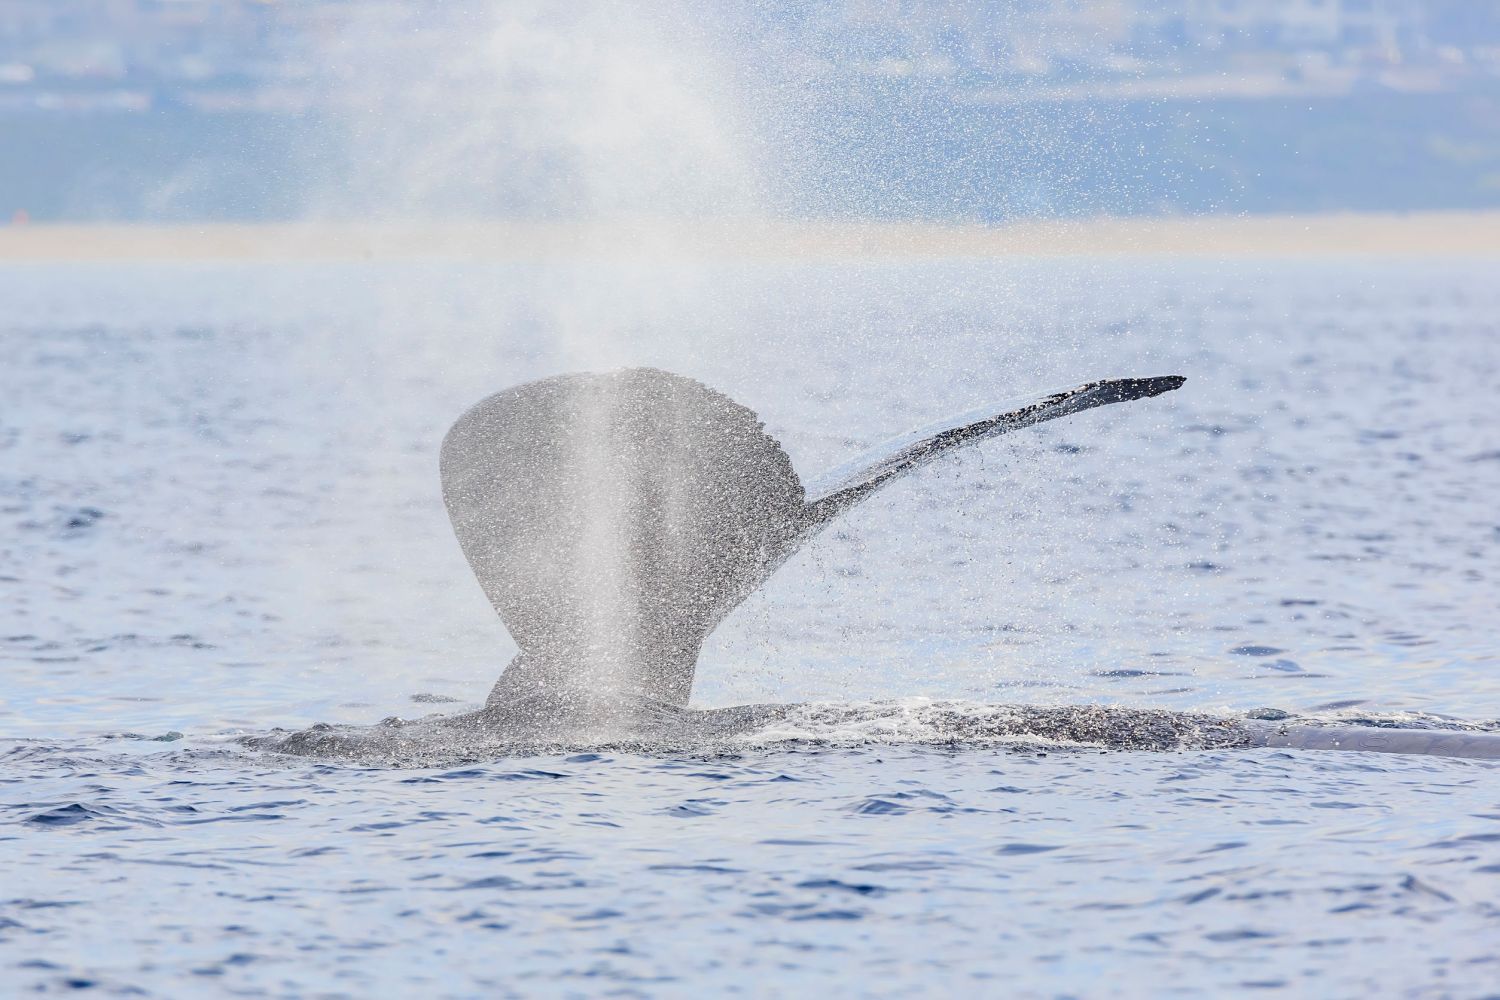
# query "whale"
(614, 519)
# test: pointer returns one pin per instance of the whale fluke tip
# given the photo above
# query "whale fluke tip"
(1121, 389)
(1166, 384)
(1160, 384)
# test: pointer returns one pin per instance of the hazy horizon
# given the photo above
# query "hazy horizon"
(979, 111)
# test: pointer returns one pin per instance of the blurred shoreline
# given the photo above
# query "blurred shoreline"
(1421, 234)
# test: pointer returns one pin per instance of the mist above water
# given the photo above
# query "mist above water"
(605, 110)
(581, 111)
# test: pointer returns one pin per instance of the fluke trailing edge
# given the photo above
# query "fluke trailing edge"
(614, 519)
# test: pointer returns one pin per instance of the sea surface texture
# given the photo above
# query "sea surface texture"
(220, 517)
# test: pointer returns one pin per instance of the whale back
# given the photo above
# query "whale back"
(614, 519)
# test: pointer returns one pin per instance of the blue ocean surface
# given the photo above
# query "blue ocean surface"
(220, 516)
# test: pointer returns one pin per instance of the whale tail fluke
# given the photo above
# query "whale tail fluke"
(614, 519)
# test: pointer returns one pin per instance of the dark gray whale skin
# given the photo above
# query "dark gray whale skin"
(614, 519)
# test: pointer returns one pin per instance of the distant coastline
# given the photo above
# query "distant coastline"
(1420, 234)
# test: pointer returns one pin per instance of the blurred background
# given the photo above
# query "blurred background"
(964, 110)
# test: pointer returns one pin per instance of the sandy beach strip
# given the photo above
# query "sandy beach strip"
(1431, 234)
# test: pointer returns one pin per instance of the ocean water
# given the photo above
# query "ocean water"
(219, 515)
